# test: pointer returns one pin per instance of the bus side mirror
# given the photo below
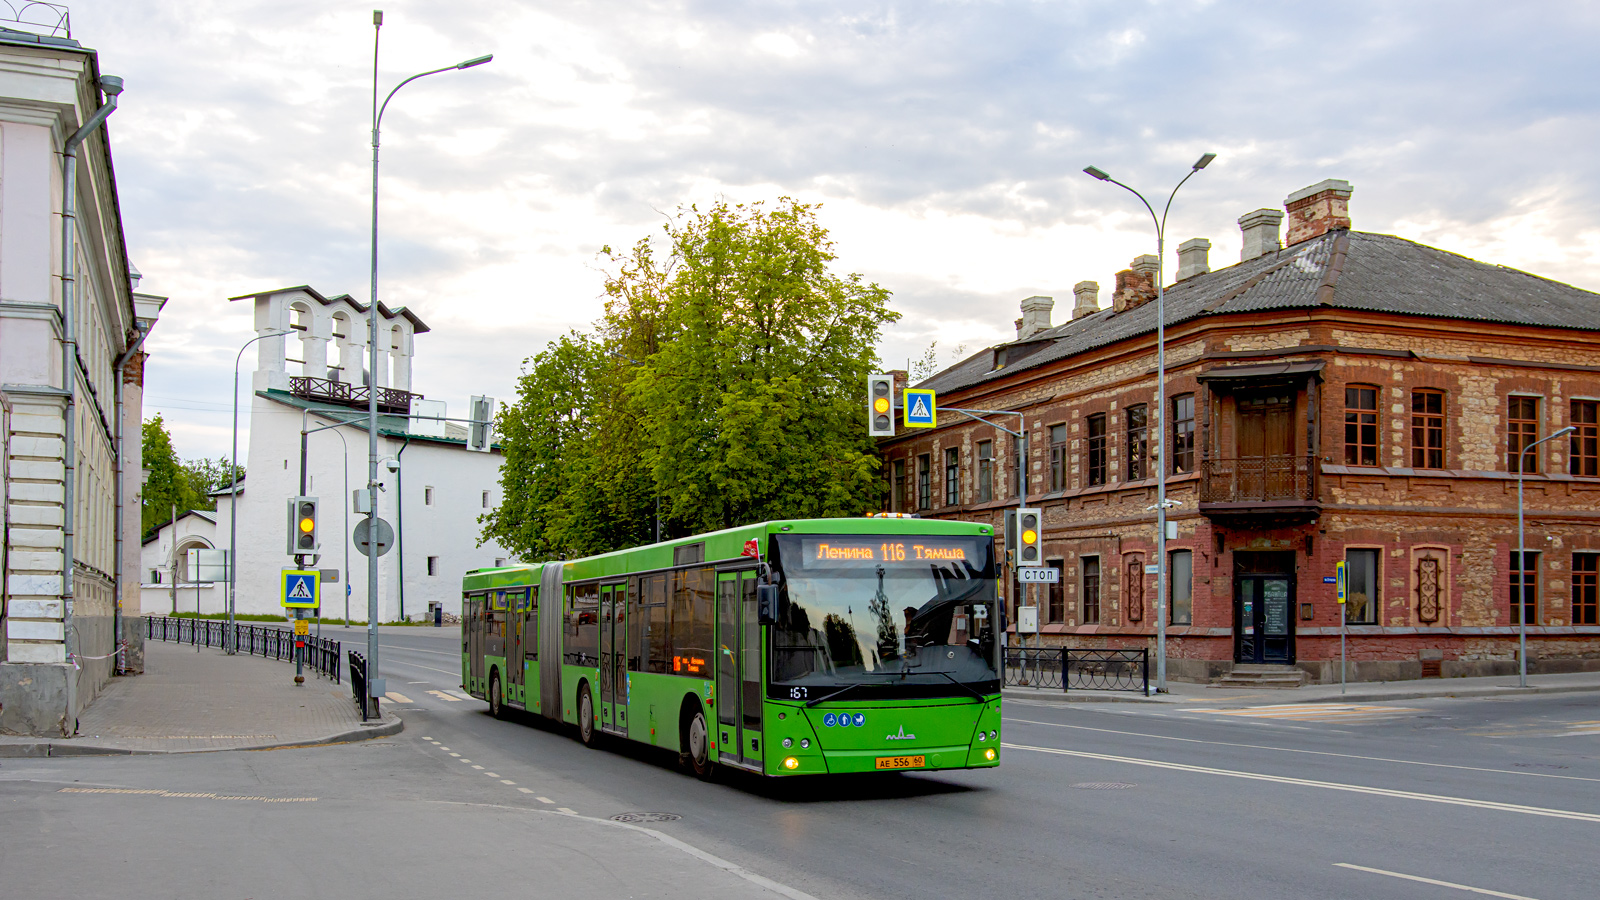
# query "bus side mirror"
(767, 603)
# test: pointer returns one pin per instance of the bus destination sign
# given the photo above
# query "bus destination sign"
(845, 551)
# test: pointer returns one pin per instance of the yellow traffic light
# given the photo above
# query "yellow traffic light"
(881, 405)
(1029, 536)
(307, 524)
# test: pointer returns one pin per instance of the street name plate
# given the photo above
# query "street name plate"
(1038, 575)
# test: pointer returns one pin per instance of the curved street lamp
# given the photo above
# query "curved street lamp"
(1161, 405)
(1522, 560)
(233, 494)
(372, 349)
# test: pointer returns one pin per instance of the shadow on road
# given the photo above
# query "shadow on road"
(795, 789)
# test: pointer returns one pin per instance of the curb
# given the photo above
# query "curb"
(388, 726)
(1289, 695)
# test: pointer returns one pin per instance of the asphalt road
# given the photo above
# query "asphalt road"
(1223, 799)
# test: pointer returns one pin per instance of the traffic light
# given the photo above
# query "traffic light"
(880, 405)
(303, 526)
(1030, 537)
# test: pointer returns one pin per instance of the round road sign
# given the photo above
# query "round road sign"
(363, 539)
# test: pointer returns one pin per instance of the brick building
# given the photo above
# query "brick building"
(1345, 396)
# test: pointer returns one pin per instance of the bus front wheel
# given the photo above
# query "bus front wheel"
(586, 732)
(497, 707)
(696, 753)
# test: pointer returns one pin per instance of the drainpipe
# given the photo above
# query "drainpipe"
(400, 522)
(111, 86)
(122, 457)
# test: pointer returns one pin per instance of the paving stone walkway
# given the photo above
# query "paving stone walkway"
(191, 700)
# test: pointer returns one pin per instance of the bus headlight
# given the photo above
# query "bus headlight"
(989, 754)
(805, 743)
(982, 737)
(792, 763)
(991, 735)
(788, 742)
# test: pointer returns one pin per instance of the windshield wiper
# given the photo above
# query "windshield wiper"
(959, 684)
(844, 690)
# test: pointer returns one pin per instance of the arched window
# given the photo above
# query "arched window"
(344, 360)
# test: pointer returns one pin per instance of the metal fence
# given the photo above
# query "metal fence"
(1071, 669)
(269, 641)
(358, 686)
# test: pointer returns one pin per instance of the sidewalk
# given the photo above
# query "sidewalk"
(189, 701)
(1356, 692)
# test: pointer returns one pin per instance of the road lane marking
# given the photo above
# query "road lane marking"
(443, 696)
(399, 698)
(1409, 762)
(507, 781)
(453, 674)
(458, 695)
(475, 767)
(456, 755)
(1313, 712)
(188, 795)
(1448, 884)
(570, 812)
(419, 650)
(525, 790)
(1325, 785)
(544, 799)
(491, 775)
(416, 682)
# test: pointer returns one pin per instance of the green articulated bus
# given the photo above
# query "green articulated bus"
(803, 647)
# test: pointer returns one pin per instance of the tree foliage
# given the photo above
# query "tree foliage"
(723, 384)
(173, 482)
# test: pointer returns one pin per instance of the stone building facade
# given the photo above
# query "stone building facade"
(1341, 396)
(71, 372)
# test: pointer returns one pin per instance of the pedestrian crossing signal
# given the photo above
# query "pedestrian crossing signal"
(922, 408)
(301, 588)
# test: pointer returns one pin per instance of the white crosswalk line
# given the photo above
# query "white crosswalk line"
(399, 698)
(1312, 712)
(446, 696)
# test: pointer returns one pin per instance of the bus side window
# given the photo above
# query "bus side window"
(530, 632)
(692, 622)
(658, 636)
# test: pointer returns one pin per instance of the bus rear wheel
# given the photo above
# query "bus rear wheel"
(586, 732)
(696, 754)
(497, 706)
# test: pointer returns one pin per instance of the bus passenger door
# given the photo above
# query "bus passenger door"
(472, 642)
(728, 742)
(750, 694)
(516, 615)
(613, 655)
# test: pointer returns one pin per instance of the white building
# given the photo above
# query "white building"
(166, 584)
(70, 384)
(432, 494)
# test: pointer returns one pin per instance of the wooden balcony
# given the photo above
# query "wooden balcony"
(1275, 487)
(356, 396)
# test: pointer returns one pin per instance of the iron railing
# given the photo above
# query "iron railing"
(267, 641)
(390, 400)
(1257, 479)
(358, 687)
(1073, 669)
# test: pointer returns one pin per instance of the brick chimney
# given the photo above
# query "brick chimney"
(1134, 288)
(1086, 299)
(1148, 265)
(1316, 210)
(1194, 258)
(1035, 316)
(1260, 230)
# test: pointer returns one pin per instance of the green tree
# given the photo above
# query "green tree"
(173, 482)
(723, 386)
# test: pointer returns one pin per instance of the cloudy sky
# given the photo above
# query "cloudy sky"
(945, 139)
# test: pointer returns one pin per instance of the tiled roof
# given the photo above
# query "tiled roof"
(1375, 272)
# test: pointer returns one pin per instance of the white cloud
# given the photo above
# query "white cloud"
(945, 140)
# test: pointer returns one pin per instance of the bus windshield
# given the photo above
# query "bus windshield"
(900, 616)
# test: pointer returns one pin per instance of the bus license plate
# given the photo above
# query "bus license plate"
(901, 762)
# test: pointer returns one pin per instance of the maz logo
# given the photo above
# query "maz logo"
(902, 736)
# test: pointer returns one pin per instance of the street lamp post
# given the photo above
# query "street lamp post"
(1161, 405)
(372, 351)
(1522, 560)
(233, 496)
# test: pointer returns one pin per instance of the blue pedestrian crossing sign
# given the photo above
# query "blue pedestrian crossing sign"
(922, 408)
(301, 588)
